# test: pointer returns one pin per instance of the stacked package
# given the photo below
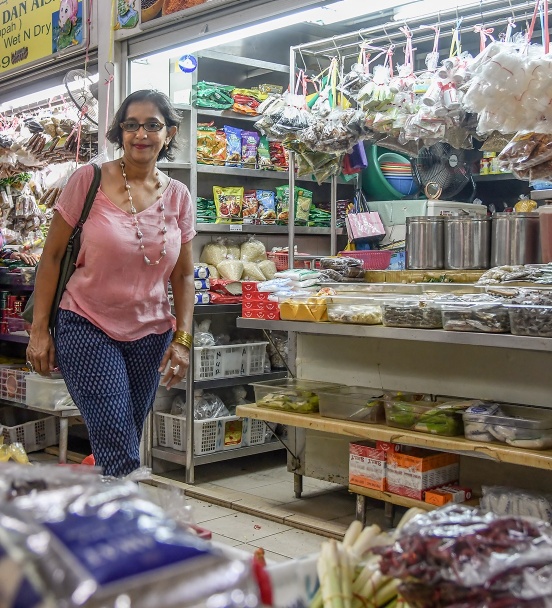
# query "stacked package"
(202, 284)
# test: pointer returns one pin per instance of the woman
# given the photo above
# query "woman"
(114, 329)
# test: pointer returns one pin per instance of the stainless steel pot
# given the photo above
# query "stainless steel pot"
(425, 242)
(467, 243)
(515, 239)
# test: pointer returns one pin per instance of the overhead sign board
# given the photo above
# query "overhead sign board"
(31, 31)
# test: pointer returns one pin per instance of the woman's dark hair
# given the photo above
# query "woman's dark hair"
(163, 103)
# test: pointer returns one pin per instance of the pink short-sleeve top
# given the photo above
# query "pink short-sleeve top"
(112, 286)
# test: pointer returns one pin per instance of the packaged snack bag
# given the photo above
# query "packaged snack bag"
(249, 145)
(229, 202)
(267, 206)
(250, 208)
(233, 146)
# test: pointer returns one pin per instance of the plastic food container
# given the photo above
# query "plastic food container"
(530, 320)
(489, 317)
(413, 412)
(303, 309)
(520, 426)
(352, 403)
(359, 310)
(290, 395)
(48, 393)
(451, 288)
(416, 312)
(376, 288)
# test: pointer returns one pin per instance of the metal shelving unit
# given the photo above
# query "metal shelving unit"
(176, 457)
(271, 229)
(397, 333)
(494, 177)
(188, 458)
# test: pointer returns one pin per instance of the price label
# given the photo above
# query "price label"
(236, 228)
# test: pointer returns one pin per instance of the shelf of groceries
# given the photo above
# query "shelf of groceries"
(540, 459)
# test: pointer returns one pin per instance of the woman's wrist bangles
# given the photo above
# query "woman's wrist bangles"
(184, 338)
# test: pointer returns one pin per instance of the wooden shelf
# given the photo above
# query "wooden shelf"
(401, 501)
(540, 459)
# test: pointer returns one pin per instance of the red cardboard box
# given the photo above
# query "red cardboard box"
(249, 286)
(259, 313)
(256, 296)
(367, 466)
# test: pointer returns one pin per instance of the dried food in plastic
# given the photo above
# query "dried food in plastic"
(252, 272)
(303, 202)
(229, 203)
(252, 250)
(230, 269)
(249, 145)
(268, 268)
(250, 208)
(233, 249)
(267, 206)
(211, 145)
(213, 253)
(214, 95)
(233, 146)
(282, 203)
(263, 152)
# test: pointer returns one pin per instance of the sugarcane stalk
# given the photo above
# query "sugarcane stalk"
(365, 540)
(370, 568)
(353, 532)
(387, 592)
(346, 577)
(316, 601)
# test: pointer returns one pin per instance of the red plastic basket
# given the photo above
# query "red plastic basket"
(281, 259)
(373, 260)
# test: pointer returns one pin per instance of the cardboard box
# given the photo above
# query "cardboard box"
(446, 494)
(256, 296)
(387, 446)
(367, 466)
(249, 286)
(260, 313)
(416, 470)
(260, 305)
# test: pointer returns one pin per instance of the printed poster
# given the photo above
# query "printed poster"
(153, 9)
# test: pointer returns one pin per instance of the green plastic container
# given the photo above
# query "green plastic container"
(374, 184)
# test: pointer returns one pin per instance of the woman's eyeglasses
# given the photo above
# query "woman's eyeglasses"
(133, 126)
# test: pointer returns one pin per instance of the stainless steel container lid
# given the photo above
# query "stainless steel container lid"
(513, 216)
(467, 219)
(426, 219)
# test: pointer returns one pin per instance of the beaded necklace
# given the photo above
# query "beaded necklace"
(139, 233)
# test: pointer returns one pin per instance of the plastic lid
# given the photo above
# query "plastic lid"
(547, 208)
(533, 214)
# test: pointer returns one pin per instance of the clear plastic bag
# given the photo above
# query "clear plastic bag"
(209, 405)
(520, 503)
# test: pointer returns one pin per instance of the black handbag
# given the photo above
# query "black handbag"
(67, 266)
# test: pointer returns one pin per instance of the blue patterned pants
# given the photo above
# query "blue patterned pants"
(113, 384)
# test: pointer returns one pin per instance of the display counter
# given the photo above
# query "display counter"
(505, 368)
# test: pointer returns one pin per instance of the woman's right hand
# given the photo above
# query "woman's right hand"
(41, 352)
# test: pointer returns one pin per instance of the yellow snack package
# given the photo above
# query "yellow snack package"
(229, 203)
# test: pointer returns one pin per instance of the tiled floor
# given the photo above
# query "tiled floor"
(249, 503)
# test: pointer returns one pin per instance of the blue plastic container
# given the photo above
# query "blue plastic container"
(404, 185)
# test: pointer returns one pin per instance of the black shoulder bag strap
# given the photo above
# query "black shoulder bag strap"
(67, 266)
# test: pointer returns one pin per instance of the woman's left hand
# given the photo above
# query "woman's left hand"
(28, 258)
(177, 356)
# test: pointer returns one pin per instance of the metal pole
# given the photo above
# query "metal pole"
(190, 473)
(333, 216)
(291, 172)
(63, 436)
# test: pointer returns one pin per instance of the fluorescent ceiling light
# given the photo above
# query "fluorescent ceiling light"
(350, 9)
(330, 13)
(40, 96)
(424, 8)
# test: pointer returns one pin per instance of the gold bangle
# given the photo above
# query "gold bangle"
(184, 338)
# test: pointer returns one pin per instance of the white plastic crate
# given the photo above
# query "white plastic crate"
(13, 383)
(213, 435)
(233, 360)
(257, 432)
(33, 434)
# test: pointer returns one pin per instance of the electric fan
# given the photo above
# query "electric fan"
(442, 171)
(83, 93)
